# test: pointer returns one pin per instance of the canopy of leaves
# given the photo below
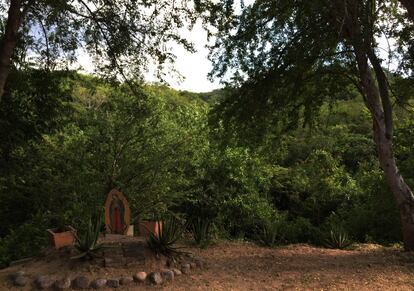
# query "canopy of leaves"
(123, 37)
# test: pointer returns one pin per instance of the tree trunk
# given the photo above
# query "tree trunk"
(398, 186)
(409, 5)
(9, 40)
(377, 101)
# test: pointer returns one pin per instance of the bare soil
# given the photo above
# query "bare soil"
(244, 266)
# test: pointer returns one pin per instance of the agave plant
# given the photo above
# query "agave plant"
(200, 228)
(168, 235)
(268, 233)
(338, 239)
(86, 242)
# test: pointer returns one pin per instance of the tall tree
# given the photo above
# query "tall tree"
(291, 56)
(409, 5)
(122, 36)
(16, 14)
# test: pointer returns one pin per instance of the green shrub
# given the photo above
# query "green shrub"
(300, 230)
(26, 241)
(269, 233)
(168, 235)
(241, 214)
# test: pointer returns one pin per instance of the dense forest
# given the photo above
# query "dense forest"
(67, 139)
(310, 139)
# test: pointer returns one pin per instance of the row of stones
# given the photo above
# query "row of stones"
(82, 282)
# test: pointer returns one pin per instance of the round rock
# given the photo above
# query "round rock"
(44, 282)
(140, 277)
(17, 274)
(81, 282)
(199, 262)
(98, 283)
(20, 281)
(62, 284)
(189, 255)
(126, 280)
(185, 268)
(167, 275)
(155, 278)
(171, 263)
(177, 272)
(112, 283)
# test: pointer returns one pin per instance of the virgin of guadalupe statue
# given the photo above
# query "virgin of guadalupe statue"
(117, 213)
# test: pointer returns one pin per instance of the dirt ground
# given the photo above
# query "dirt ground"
(244, 266)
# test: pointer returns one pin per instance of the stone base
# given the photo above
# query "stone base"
(130, 230)
(123, 251)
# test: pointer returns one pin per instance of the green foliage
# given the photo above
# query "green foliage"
(372, 214)
(301, 230)
(278, 85)
(87, 240)
(270, 231)
(167, 152)
(109, 31)
(26, 240)
(168, 235)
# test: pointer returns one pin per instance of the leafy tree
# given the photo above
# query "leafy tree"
(122, 36)
(409, 5)
(36, 104)
(287, 58)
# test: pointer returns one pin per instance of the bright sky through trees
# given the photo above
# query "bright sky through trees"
(194, 67)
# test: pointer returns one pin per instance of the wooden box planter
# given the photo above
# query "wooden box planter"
(151, 226)
(59, 238)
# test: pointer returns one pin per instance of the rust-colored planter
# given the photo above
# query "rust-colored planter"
(147, 227)
(61, 239)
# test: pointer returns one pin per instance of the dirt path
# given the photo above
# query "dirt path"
(243, 266)
(235, 266)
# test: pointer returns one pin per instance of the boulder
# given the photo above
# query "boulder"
(98, 283)
(167, 275)
(62, 284)
(81, 282)
(185, 268)
(171, 263)
(126, 281)
(199, 262)
(20, 281)
(17, 274)
(112, 283)
(140, 277)
(44, 282)
(155, 278)
(177, 272)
